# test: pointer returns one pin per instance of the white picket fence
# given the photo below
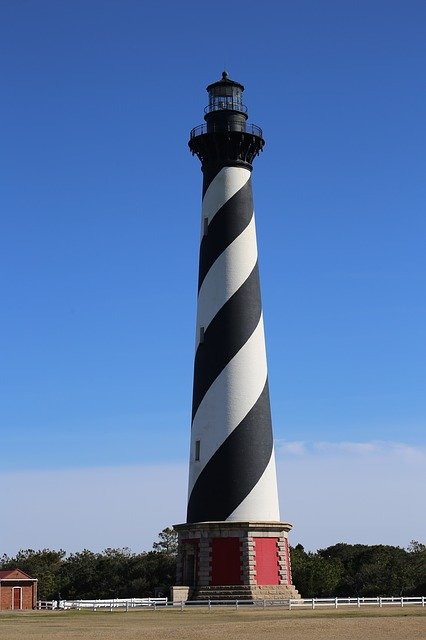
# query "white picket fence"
(94, 605)
(307, 603)
(316, 603)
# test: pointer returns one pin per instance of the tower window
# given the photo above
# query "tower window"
(197, 450)
(206, 226)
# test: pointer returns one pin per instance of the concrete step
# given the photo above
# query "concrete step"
(243, 592)
(226, 592)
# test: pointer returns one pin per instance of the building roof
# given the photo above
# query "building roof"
(14, 574)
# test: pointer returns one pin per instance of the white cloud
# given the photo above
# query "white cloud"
(293, 448)
(381, 447)
(367, 492)
(348, 447)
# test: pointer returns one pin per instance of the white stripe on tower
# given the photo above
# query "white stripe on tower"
(227, 182)
(232, 465)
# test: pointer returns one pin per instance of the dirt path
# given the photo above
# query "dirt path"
(391, 624)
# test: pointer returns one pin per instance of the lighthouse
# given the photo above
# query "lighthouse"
(233, 544)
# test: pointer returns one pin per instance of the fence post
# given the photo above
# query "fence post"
(380, 602)
(313, 603)
(423, 601)
(210, 605)
(358, 603)
(236, 605)
(335, 603)
(402, 602)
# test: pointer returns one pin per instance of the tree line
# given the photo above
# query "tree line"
(357, 570)
(352, 570)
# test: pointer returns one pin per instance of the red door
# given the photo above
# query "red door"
(226, 561)
(267, 566)
(17, 599)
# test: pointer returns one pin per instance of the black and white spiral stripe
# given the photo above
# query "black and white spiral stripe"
(234, 476)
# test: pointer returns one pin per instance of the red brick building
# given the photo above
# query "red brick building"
(17, 590)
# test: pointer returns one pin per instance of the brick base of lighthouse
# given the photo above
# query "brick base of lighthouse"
(233, 560)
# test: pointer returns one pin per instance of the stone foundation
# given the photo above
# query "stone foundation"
(251, 568)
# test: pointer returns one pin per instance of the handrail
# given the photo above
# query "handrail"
(243, 127)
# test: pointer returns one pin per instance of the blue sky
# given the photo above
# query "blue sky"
(99, 206)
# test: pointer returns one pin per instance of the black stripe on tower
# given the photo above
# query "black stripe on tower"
(236, 467)
(209, 174)
(227, 224)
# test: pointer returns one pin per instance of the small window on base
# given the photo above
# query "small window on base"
(197, 450)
